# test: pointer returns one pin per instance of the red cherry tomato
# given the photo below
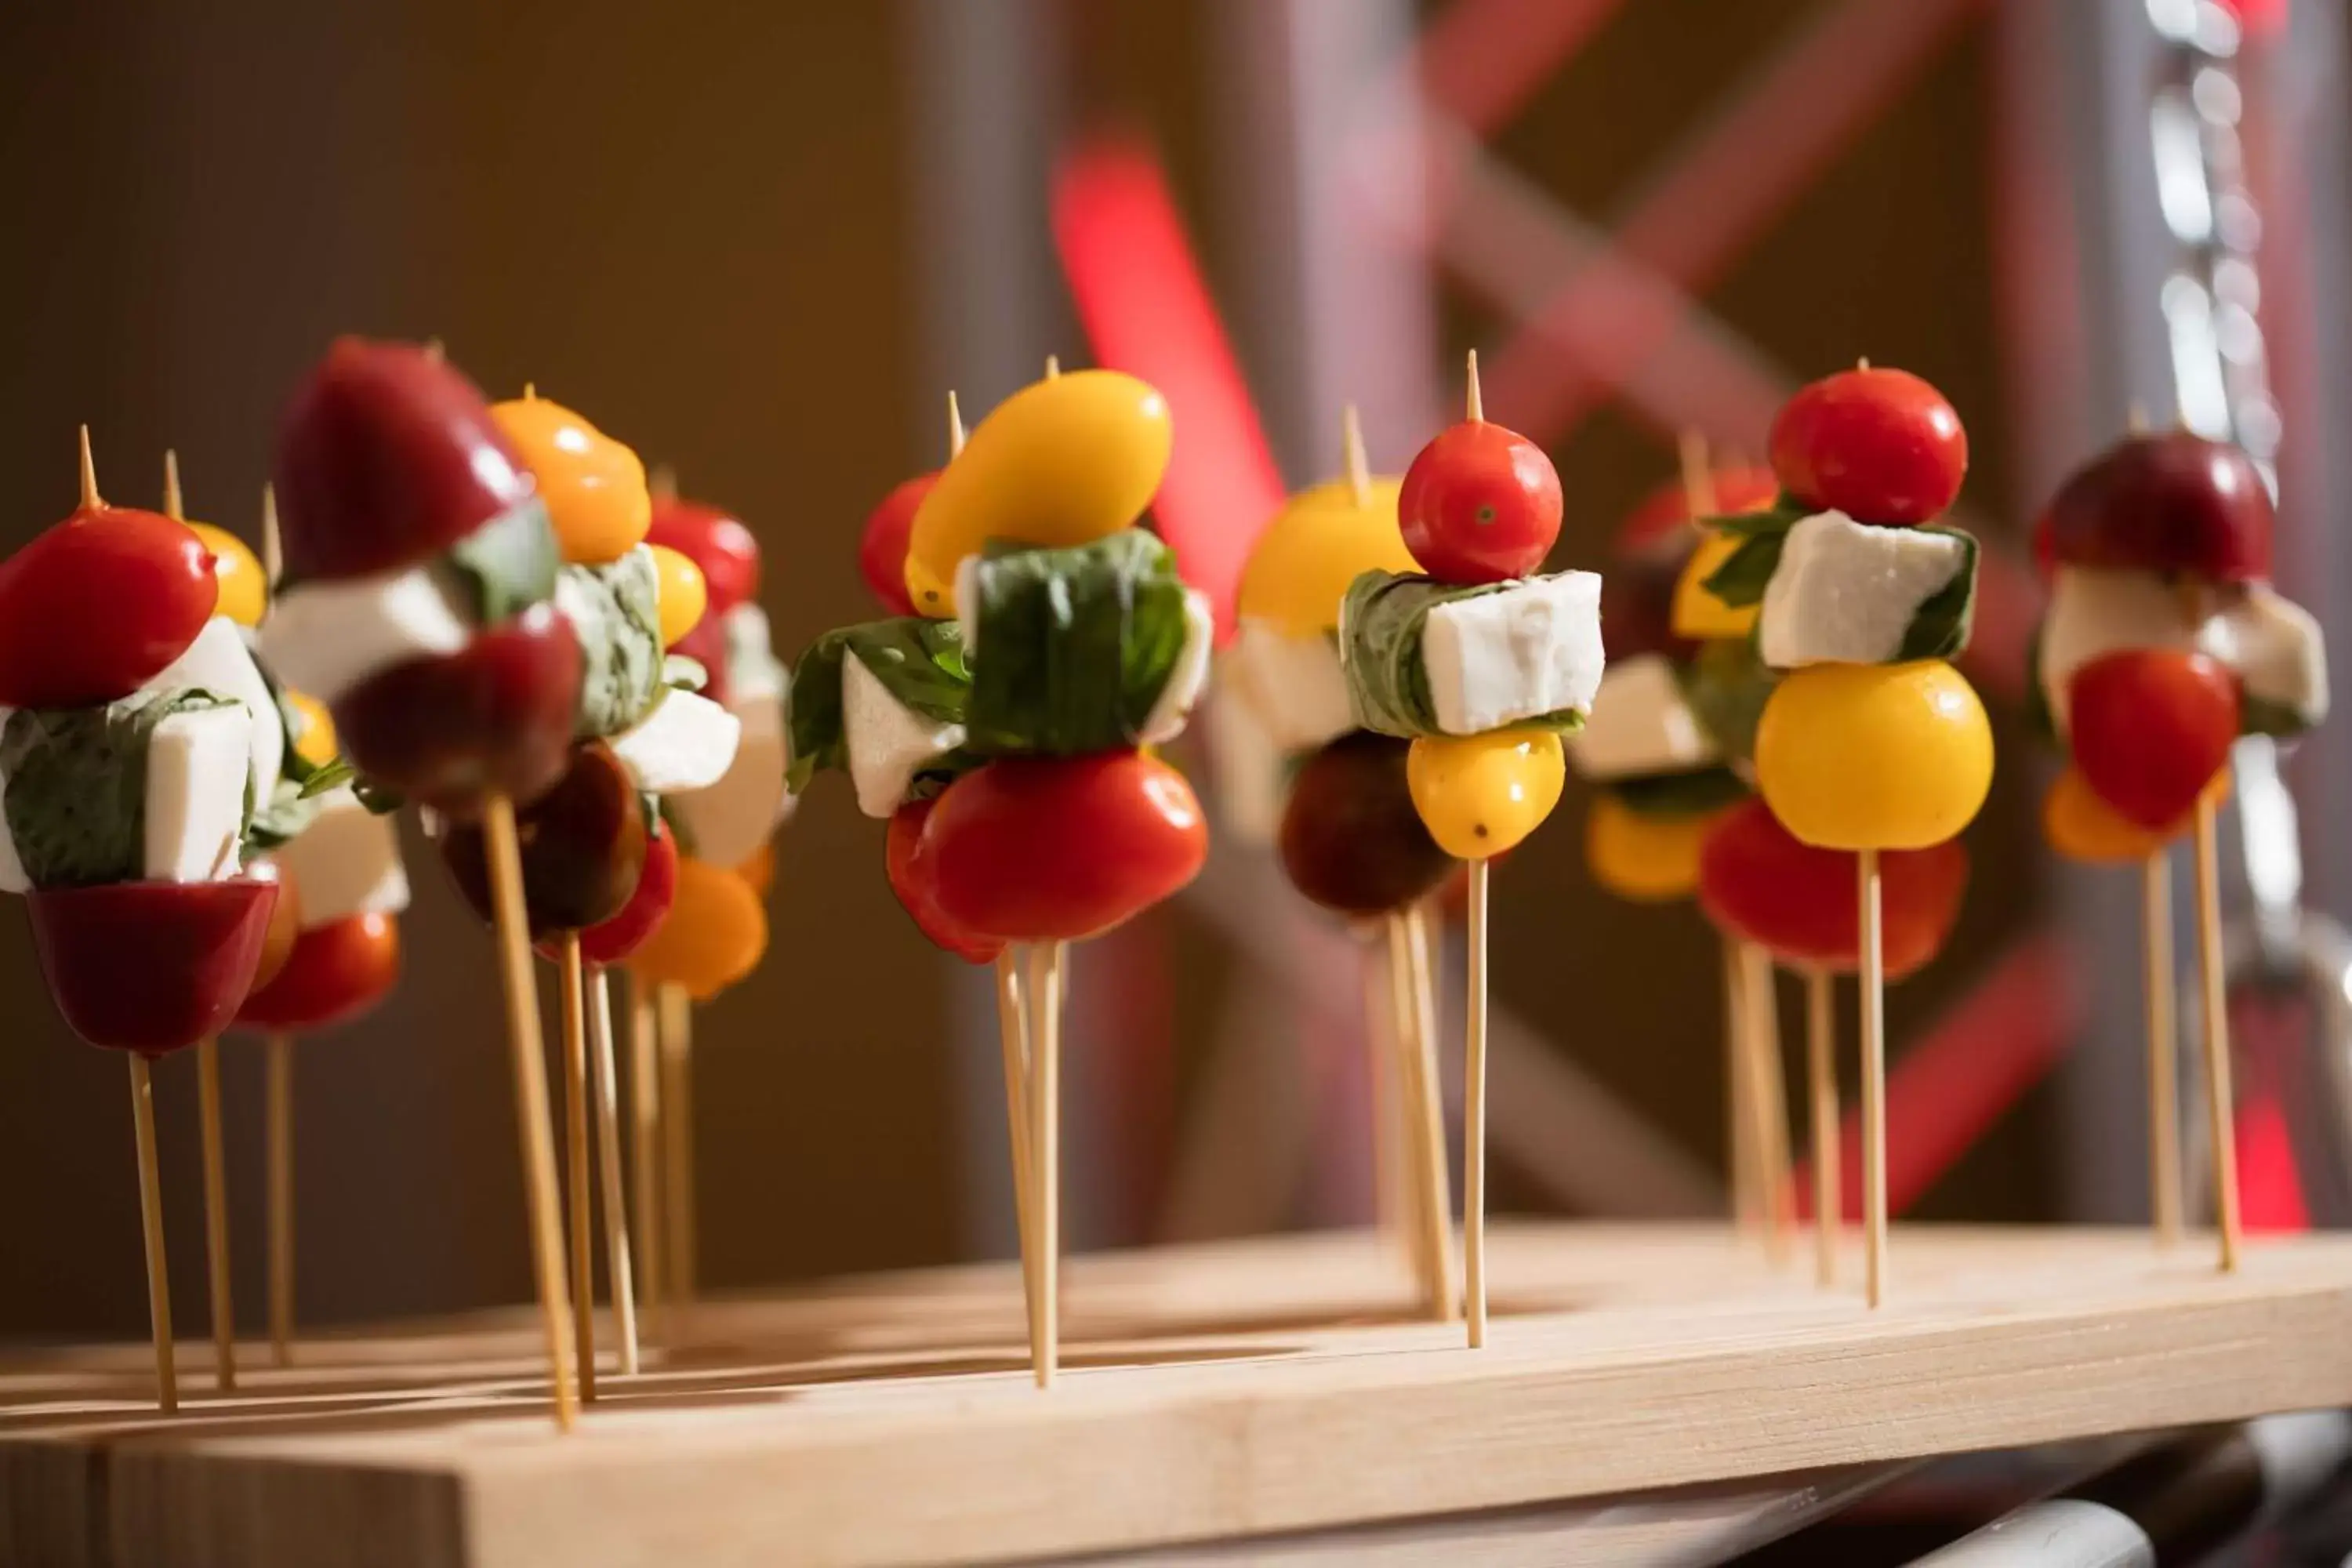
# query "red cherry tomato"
(882, 549)
(336, 971)
(2172, 503)
(387, 455)
(911, 879)
(1662, 520)
(1880, 445)
(1800, 904)
(150, 967)
(96, 607)
(1060, 849)
(615, 940)
(582, 845)
(2149, 727)
(1480, 504)
(714, 541)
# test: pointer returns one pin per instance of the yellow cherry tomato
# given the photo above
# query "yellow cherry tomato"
(594, 486)
(712, 937)
(1641, 858)
(759, 871)
(683, 594)
(244, 591)
(1873, 756)
(2082, 826)
(313, 732)
(1480, 795)
(1318, 544)
(1063, 461)
(1696, 612)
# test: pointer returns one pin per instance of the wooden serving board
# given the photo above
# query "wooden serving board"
(1210, 1394)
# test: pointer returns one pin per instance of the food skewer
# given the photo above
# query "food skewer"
(646, 1153)
(618, 1264)
(1821, 1120)
(581, 1249)
(2212, 986)
(151, 1225)
(2163, 1088)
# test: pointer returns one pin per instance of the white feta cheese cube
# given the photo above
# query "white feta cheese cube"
(725, 823)
(1294, 685)
(2094, 613)
(1846, 593)
(346, 863)
(1186, 677)
(219, 662)
(888, 743)
(2276, 647)
(323, 638)
(686, 742)
(1530, 649)
(1640, 724)
(198, 765)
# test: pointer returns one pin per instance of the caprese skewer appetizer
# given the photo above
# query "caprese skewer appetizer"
(1482, 667)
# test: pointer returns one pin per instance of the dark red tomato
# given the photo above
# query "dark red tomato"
(1880, 445)
(1059, 848)
(2174, 503)
(386, 456)
(1662, 522)
(1351, 840)
(882, 549)
(910, 878)
(284, 920)
(582, 846)
(151, 967)
(714, 541)
(707, 646)
(1800, 904)
(97, 606)
(2149, 727)
(336, 971)
(615, 940)
(1480, 504)
(494, 719)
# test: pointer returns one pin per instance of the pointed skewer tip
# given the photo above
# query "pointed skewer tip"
(174, 506)
(955, 424)
(1053, 367)
(1351, 451)
(1477, 403)
(90, 501)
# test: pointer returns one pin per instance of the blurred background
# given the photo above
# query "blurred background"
(760, 244)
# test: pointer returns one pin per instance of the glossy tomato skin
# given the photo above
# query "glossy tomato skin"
(1800, 904)
(386, 456)
(715, 541)
(1664, 522)
(1480, 504)
(882, 548)
(2149, 727)
(911, 879)
(613, 940)
(284, 920)
(1881, 445)
(150, 967)
(495, 718)
(1351, 840)
(1061, 849)
(583, 845)
(2172, 503)
(96, 607)
(336, 971)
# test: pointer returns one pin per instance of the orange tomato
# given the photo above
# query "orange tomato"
(714, 936)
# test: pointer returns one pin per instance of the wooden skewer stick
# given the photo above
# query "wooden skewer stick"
(1351, 455)
(278, 1062)
(1012, 1036)
(620, 1277)
(1767, 1102)
(1739, 1150)
(676, 1016)
(90, 501)
(576, 1171)
(1429, 1113)
(1425, 1222)
(1873, 1080)
(1474, 400)
(1045, 1146)
(216, 1257)
(1821, 1120)
(2213, 985)
(645, 1145)
(1473, 1117)
(1053, 367)
(1381, 1016)
(2163, 1088)
(525, 1044)
(150, 1181)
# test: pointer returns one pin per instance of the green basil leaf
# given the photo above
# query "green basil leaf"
(76, 799)
(1727, 684)
(1778, 518)
(509, 563)
(920, 662)
(1380, 624)
(2260, 716)
(1740, 580)
(2039, 721)
(1940, 626)
(333, 775)
(1696, 792)
(681, 673)
(291, 809)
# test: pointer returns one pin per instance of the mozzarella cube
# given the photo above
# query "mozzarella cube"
(199, 765)
(1247, 765)
(323, 638)
(753, 671)
(1846, 593)
(686, 742)
(2275, 647)
(888, 743)
(1531, 650)
(2094, 613)
(1294, 685)
(346, 863)
(219, 662)
(725, 823)
(1186, 677)
(1641, 725)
